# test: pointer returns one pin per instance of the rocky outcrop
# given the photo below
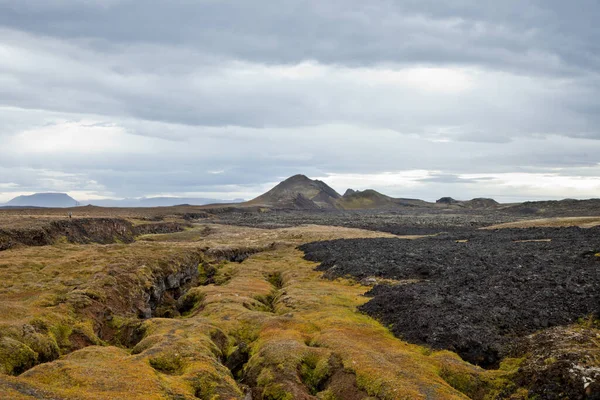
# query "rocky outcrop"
(166, 289)
(159, 227)
(561, 363)
(83, 231)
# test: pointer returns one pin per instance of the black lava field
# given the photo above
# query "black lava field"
(477, 292)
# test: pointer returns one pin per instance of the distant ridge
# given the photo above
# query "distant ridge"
(49, 200)
(159, 202)
(302, 193)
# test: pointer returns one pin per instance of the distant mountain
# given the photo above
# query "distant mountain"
(299, 192)
(302, 193)
(158, 202)
(49, 200)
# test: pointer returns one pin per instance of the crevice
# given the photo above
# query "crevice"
(275, 279)
(237, 360)
(161, 300)
(238, 254)
(265, 303)
(337, 383)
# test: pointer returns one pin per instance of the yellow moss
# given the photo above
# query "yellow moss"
(15, 357)
(43, 345)
(168, 363)
(275, 391)
(327, 395)
(290, 350)
(314, 371)
(61, 333)
(265, 377)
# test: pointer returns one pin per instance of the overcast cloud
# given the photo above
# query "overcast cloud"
(222, 99)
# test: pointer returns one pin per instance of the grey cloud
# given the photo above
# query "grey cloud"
(452, 179)
(516, 34)
(261, 91)
(497, 107)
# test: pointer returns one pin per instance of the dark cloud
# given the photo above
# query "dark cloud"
(512, 33)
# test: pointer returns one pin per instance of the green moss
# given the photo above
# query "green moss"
(146, 343)
(265, 377)
(463, 381)
(206, 273)
(225, 274)
(191, 302)
(511, 365)
(61, 333)
(39, 324)
(267, 302)
(127, 331)
(275, 279)
(15, 357)
(210, 387)
(314, 371)
(327, 395)
(44, 345)
(488, 385)
(591, 321)
(276, 392)
(172, 364)
(550, 360)
(245, 332)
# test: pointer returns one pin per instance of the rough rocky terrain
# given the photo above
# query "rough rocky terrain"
(211, 312)
(476, 293)
(217, 302)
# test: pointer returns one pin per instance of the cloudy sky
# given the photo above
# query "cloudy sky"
(220, 98)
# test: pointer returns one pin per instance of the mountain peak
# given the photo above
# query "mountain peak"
(313, 194)
(297, 178)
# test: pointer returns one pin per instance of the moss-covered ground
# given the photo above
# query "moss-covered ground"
(269, 327)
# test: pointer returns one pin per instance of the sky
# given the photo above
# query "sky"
(223, 99)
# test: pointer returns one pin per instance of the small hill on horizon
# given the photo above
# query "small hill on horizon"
(479, 202)
(371, 199)
(365, 199)
(49, 200)
(299, 192)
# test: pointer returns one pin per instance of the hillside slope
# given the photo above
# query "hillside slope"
(299, 192)
(371, 199)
